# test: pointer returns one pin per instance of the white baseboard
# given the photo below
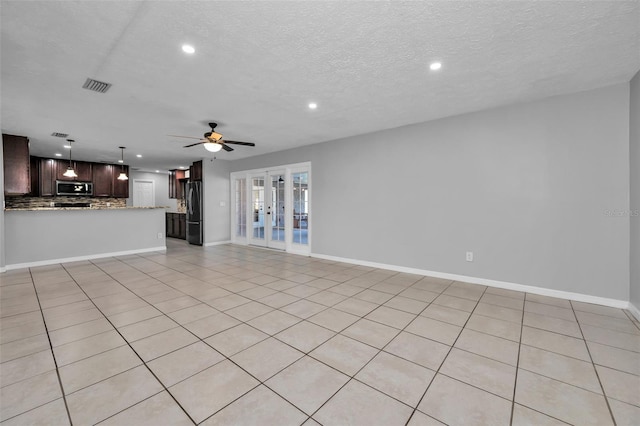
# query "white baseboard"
(216, 243)
(634, 311)
(614, 303)
(81, 258)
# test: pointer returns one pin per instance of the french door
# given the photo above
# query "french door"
(272, 208)
(268, 209)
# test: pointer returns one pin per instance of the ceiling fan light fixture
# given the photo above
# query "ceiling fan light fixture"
(212, 146)
(213, 136)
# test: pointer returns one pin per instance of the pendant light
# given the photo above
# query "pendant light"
(123, 175)
(70, 172)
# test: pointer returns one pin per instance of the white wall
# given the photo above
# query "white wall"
(161, 185)
(525, 187)
(216, 187)
(634, 156)
(46, 235)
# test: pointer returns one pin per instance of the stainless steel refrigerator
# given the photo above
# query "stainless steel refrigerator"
(194, 212)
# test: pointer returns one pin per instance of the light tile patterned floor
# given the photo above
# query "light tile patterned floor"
(233, 335)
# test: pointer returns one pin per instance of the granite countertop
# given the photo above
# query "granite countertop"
(29, 209)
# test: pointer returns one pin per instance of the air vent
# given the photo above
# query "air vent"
(96, 86)
(59, 135)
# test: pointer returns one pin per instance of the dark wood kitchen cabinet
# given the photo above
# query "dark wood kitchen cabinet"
(17, 176)
(35, 176)
(176, 225)
(169, 225)
(120, 187)
(45, 172)
(103, 180)
(82, 169)
(176, 183)
(195, 171)
(47, 177)
(182, 226)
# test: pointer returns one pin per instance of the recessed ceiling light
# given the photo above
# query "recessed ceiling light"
(435, 66)
(139, 155)
(186, 48)
(313, 105)
(120, 161)
(58, 154)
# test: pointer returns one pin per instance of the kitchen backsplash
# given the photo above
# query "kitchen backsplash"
(182, 205)
(35, 202)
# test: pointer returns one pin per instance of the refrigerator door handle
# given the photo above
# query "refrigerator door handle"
(190, 201)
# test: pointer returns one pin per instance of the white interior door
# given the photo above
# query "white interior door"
(143, 193)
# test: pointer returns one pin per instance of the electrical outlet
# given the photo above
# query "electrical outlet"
(159, 235)
(52, 204)
(469, 256)
(108, 204)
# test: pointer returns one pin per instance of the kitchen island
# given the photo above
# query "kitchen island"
(43, 235)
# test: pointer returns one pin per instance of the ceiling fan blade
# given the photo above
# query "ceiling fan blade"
(240, 143)
(226, 148)
(186, 137)
(194, 144)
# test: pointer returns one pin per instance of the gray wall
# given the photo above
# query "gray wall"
(525, 187)
(161, 185)
(37, 236)
(2, 244)
(215, 181)
(634, 156)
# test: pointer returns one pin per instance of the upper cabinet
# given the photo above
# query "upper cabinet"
(103, 180)
(17, 177)
(195, 173)
(104, 177)
(176, 183)
(178, 179)
(47, 178)
(120, 187)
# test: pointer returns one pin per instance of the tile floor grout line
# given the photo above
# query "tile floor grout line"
(515, 379)
(131, 347)
(188, 291)
(260, 382)
(604, 394)
(55, 361)
(446, 356)
(352, 377)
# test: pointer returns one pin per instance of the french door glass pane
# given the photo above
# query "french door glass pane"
(241, 207)
(300, 207)
(277, 203)
(258, 207)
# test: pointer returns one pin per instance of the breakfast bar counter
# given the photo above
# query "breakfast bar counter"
(45, 235)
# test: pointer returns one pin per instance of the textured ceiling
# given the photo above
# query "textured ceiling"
(258, 64)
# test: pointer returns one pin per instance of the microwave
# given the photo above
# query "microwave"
(73, 188)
